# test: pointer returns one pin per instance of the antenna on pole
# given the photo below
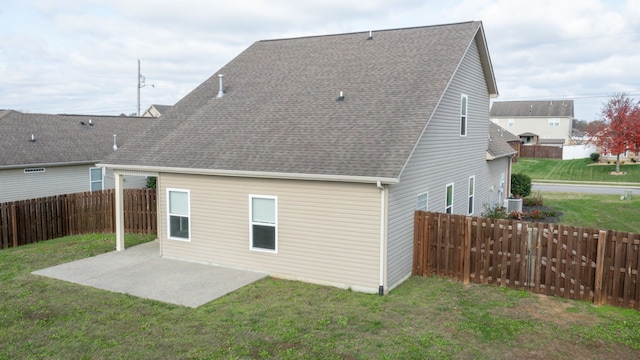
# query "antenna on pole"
(141, 84)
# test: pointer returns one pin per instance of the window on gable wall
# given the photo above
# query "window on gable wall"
(448, 207)
(472, 185)
(554, 122)
(96, 179)
(422, 202)
(463, 114)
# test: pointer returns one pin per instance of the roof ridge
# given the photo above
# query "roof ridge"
(367, 31)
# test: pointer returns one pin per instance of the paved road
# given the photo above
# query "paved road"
(592, 189)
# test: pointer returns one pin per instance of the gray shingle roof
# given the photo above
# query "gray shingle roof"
(62, 138)
(498, 142)
(546, 108)
(280, 112)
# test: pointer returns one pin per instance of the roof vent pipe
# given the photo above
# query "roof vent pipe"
(115, 145)
(370, 35)
(33, 138)
(221, 91)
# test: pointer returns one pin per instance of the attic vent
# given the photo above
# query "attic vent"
(370, 35)
(341, 97)
(221, 91)
(33, 170)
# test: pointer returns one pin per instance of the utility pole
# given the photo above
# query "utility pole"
(141, 84)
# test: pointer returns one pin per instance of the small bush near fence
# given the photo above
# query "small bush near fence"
(601, 266)
(29, 221)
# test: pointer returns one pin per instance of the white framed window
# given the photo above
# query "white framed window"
(464, 99)
(448, 201)
(96, 179)
(472, 187)
(554, 122)
(263, 229)
(422, 201)
(510, 122)
(179, 214)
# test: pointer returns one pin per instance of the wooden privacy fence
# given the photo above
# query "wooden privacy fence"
(560, 260)
(540, 152)
(28, 221)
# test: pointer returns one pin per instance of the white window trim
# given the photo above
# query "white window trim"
(169, 190)
(446, 206)
(465, 115)
(471, 200)
(95, 181)
(554, 122)
(510, 122)
(251, 223)
(426, 204)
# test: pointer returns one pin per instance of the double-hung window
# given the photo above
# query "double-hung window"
(448, 207)
(463, 114)
(178, 208)
(472, 185)
(96, 179)
(554, 122)
(263, 223)
(422, 202)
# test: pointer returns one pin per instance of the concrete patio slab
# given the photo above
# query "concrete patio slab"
(140, 271)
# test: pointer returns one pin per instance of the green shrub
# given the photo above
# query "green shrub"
(633, 160)
(520, 185)
(595, 157)
(151, 182)
(535, 200)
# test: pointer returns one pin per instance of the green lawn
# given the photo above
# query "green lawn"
(595, 210)
(575, 170)
(430, 318)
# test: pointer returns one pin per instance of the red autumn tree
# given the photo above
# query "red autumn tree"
(618, 129)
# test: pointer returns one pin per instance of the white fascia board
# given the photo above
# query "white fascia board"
(253, 174)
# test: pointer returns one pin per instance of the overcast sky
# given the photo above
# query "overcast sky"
(69, 56)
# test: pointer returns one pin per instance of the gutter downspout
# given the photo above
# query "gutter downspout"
(382, 236)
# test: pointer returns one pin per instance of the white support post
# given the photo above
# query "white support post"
(119, 211)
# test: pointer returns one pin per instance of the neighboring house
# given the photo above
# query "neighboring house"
(496, 132)
(156, 110)
(306, 158)
(546, 122)
(43, 155)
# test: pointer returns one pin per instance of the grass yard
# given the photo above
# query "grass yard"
(575, 170)
(595, 210)
(430, 318)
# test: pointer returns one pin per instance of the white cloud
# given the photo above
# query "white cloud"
(69, 56)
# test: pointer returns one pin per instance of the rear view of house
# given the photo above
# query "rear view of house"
(306, 158)
(547, 122)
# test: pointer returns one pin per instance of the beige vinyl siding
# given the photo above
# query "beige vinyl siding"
(442, 157)
(537, 125)
(328, 232)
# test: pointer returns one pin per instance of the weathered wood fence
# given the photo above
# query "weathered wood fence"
(540, 152)
(28, 221)
(600, 266)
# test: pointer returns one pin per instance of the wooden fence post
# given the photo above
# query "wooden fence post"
(598, 298)
(14, 226)
(467, 252)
